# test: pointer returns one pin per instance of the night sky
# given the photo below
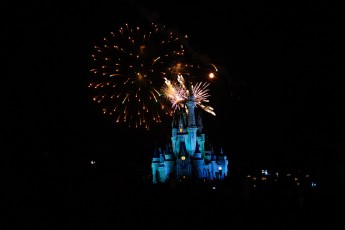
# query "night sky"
(279, 95)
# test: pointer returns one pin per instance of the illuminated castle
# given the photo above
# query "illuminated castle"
(188, 155)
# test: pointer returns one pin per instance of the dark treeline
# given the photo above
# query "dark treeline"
(94, 198)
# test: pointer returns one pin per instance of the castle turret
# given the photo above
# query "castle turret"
(198, 162)
(207, 150)
(155, 164)
(223, 164)
(197, 153)
(169, 161)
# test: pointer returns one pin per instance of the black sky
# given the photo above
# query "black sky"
(279, 99)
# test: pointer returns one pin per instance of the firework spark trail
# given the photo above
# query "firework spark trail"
(200, 92)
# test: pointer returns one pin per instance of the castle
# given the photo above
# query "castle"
(189, 154)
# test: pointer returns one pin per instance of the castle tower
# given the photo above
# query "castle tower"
(192, 128)
(223, 165)
(179, 132)
(191, 105)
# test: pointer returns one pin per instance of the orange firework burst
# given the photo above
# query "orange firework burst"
(128, 69)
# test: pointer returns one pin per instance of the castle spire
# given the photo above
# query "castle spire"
(197, 153)
(213, 155)
(208, 144)
(191, 105)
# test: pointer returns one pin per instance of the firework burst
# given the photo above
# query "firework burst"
(129, 67)
(177, 93)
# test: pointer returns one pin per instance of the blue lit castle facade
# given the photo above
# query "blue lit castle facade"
(189, 154)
